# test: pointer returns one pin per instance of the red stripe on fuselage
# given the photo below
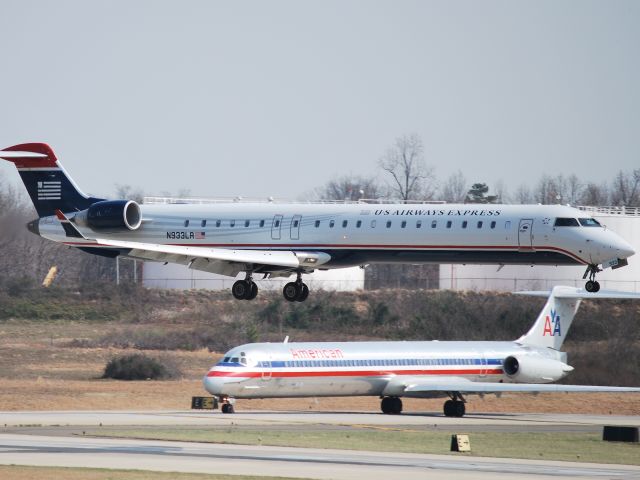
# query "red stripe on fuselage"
(348, 373)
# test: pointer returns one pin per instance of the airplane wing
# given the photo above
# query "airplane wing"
(463, 385)
(224, 261)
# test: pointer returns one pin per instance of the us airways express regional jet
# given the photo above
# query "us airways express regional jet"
(392, 370)
(281, 239)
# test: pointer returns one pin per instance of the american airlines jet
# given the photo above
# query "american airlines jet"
(391, 370)
(283, 239)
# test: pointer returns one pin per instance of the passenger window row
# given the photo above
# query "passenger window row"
(400, 362)
(232, 223)
(403, 224)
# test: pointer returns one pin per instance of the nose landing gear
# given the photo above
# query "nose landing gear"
(296, 291)
(592, 285)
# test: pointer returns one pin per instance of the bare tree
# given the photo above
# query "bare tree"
(412, 179)
(523, 195)
(551, 190)
(574, 189)
(595, 195)
(501, 191)
(127, 192)
(351, 188)
(626, 189)
(455, 188)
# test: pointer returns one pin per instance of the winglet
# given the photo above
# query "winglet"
(69, 228)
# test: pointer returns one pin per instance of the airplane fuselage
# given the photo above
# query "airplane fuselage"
(357, 234)
(271, 370)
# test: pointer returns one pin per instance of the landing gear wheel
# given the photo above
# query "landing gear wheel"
(253, 292)
(241, 289)
(592, 286)
(227, 408)
(448, 408)
(385, 405)
(304, 293)
(454, 408)
(391, 405)
(396, 406)
(291, 291)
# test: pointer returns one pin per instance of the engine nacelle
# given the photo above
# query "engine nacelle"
(111, 215)
(533, 369)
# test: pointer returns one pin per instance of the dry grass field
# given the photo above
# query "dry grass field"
(39, 370)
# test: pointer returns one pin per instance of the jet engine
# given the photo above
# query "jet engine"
(110, 215)
(533, 369)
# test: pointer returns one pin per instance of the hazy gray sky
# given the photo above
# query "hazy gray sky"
(275, 98)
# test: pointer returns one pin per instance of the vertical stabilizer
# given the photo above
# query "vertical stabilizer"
(552, 325)
(47, 183)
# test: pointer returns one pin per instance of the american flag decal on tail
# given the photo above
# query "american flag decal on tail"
(49, 190)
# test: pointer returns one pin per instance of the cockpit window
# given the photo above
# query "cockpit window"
(226, 359)
(566, 222)
(234, 360)
(243, 361)
(589, 222)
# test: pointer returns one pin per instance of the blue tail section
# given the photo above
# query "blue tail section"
(47, 183)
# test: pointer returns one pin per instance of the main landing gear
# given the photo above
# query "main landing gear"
(592, 285)
(454, 407)
(245, 289)
(391, 405)
(296, 291)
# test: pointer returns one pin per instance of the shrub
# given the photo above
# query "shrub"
(138, 366)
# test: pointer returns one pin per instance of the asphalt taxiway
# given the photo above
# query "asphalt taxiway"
(46, 438)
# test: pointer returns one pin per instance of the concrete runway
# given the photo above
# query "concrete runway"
(43, 438)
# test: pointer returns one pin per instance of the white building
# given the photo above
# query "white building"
(624, 221)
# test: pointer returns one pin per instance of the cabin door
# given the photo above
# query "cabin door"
(295, 227)
(483, 365)
(276, 227)
(266, 370)
(525, 234)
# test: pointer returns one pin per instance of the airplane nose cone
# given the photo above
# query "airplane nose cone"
(624, 249)
(627, 252)
(212, 385)
(34, 227)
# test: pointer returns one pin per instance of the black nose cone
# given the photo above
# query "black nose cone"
(34, 226)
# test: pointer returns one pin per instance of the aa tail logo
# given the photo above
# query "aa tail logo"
(49, 190)
(552, 325)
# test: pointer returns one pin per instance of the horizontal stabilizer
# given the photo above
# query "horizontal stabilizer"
(69, 228)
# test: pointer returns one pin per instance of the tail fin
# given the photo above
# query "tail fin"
(47, 183)
(552, 325)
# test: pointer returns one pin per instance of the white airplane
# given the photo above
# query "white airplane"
(281, 239)
(391, 370)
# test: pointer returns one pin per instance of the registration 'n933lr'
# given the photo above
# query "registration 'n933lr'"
(181, 235)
